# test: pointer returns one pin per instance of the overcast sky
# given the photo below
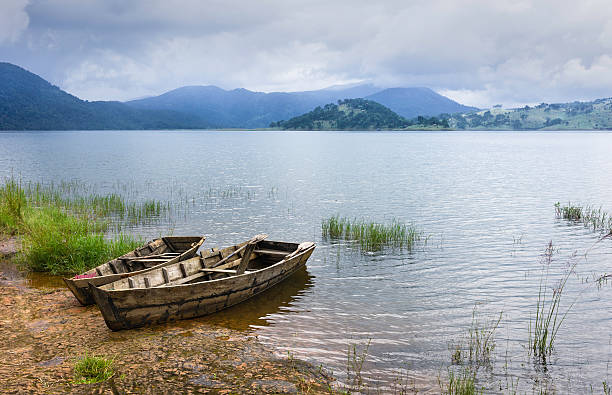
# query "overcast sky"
(478, 52)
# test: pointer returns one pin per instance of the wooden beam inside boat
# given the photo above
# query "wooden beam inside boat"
(244, 262)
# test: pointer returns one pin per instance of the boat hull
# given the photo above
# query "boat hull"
(80, 286)
(131, 308)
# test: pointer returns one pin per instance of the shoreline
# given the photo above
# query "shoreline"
(47, 330)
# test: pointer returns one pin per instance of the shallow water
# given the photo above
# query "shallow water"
(484, 199)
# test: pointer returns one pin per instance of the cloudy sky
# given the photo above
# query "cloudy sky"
(479, 52)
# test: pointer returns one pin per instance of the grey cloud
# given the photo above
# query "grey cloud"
(477, 51)
(13, 20)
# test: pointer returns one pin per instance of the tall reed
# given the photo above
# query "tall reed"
(371, 236)
(595, 218)
(12, 204)
(548, 316)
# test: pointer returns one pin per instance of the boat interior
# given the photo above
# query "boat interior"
(152, 254)
(212, 264)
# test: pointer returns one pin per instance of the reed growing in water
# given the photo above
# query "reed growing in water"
(58, 235)
(548, 316)
(597, 219)
(371, 236)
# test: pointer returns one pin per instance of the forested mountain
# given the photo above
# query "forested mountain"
(28, 102)
(354, 114)
(241, 108)
(596, 114)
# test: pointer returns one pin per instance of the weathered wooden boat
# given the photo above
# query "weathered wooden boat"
(156, 253)
(202, 285)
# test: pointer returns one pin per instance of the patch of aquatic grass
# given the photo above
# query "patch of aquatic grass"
(595, 218)
(460, 382)
(477, 346)
(80, 198)
(354, 366)
(371, 236)
(548, 316)
(91, 369)
(12, 205)
(58, 242)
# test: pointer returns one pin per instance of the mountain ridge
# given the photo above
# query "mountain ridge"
(28, 102)
(243, 108)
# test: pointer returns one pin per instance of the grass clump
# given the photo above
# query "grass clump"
(57, 242)
(54, 238)
(371, 236)
(354, 366)
(548, 318)
(595, 218)
(462, 382)
(91, 369)
(478, 345)
(12, 203)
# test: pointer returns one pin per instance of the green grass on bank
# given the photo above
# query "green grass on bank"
(371, 236)
(56, 238)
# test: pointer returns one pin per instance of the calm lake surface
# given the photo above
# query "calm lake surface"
(485, 200)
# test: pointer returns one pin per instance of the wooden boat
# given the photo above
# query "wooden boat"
(159, 252)
(202, 285)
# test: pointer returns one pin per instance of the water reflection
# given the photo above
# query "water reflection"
(254, 312)
(12, 272)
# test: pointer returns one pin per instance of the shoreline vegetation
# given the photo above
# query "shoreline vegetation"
(65, 229)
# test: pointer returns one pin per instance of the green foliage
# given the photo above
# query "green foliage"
(371, 236)
(58, 242)
(597, 219)
(91, 369)
(349, 114)
(60, 235)
(565, 116)
(12, 204)
(462, 382)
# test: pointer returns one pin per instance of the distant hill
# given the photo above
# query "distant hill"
(28, 102)
(242, 108)
(595, 114)
(350, 114)
(412, 102)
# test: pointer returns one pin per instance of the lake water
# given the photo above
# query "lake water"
(485, 200)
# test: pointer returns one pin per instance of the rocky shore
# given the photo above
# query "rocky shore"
(45, 330)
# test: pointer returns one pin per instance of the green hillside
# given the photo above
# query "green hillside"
(560, 116)
(28, 102)
(353, 114)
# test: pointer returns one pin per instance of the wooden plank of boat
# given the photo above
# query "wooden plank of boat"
(156, 253)
(198, 286)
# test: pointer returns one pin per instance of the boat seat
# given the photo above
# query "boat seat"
(274, 253)
(226, 271)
